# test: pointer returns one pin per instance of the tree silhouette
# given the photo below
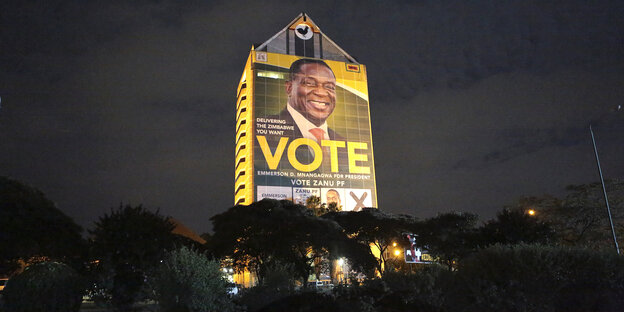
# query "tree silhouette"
(584, 215)
(515, 226)
(31, 225)
(373, 227)
(255, 236)
(580, 219)
(314, 203)
(127, 244)
(449, 236)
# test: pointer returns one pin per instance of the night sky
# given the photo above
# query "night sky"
(472, 105)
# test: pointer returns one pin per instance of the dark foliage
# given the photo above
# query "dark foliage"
(31, 225)
(515, 226)
(538, 278)
(374, 227)
(44, 287)
(581, 219)
(277, 284)
(258, 297)
(314, 301)
(128, 245)
(503, 278)
(449, 236)
(269, 231)
(186, 281)
(423, 290)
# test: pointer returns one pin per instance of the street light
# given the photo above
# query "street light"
(341, 275)
(531, 212)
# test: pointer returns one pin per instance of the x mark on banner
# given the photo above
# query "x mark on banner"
(359, 202)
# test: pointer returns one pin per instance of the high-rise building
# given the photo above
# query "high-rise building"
(303, 122)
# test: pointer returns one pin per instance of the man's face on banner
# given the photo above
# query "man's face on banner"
(312, 92)
(333, 197)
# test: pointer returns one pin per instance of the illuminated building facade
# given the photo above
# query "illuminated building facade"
(303, 122)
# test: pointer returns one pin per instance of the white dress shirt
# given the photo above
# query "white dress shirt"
(305, 125)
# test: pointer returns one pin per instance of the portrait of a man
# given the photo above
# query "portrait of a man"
(311, 99)
(311, 92)
(332, 198)
(311, 130)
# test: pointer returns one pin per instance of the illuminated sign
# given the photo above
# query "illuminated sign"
(311, 131)
(415, 254)
(303, 122)
(353, 68)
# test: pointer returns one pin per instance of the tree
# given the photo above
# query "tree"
(188, 281)
(308, 239)
(32, 226)
(580, 219)
(449, 236)
(44, 286)
(320, 208)
(515, 226)
(583, 211)
(252, 237)
(314, 203)
(538, 278)
(372, 227)
(239, 234)
(127, 244)
(334, 207)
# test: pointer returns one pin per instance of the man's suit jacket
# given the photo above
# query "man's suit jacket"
(296, 133)
(303, 154)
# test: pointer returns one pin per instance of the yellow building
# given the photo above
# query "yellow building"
(303, 122)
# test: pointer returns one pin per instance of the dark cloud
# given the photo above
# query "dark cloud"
(473, 104)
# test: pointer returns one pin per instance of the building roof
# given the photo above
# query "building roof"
(303, 37)
(182, 230)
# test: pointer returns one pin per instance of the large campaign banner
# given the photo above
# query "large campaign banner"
(312, 134)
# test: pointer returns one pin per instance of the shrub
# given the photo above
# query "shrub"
(128, 243)
(538, 278)
(279, 276)
(423, 290)
(278, 283)
(363, 297)
(594, 281)
(313, 301)
(45, 287)
(187, 281)
(257, 297)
